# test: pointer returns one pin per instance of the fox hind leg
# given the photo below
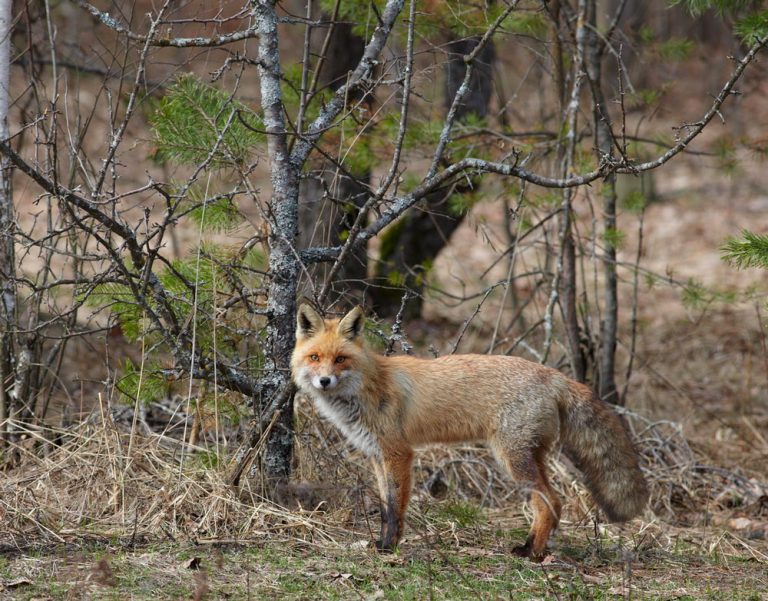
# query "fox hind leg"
(546, 507)
(530, 466)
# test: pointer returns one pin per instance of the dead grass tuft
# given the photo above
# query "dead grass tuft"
(102, 482)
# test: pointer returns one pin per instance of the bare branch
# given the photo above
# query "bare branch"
(476, 166)
(358, 79)
(445, 134)
(197, 42)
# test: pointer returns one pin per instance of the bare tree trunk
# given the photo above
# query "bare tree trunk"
(606, 377)
(565, 280)
(329, 204)
(605, 384)
(7, 259)
(481, 83)
(411, 246)
(283, 260)
(568, 299)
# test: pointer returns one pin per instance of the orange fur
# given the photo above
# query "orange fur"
(387, 406)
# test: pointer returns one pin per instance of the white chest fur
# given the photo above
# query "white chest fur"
(345, 415)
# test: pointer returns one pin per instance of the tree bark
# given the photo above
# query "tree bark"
(565, 283)
(329, 204)
(605, 383)
(284, 265)
(568, 301)
(477, 102)
(7, 256)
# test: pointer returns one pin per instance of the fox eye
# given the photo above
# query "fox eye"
(314, 357)
(340, 359)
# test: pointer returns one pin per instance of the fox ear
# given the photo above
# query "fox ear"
(351, 324)
(308, 322)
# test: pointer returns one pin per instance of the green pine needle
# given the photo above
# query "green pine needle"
(749, 251)
(614, 238)
(146, 386)
(634, 202)
(676, 49)
(220, 215)
(753, 28)
(193, 116)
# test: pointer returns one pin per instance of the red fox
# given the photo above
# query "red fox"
(387, 406)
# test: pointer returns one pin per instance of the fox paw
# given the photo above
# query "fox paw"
(527, 551)
(521, 551)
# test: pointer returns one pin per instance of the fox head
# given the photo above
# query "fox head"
(329, 354)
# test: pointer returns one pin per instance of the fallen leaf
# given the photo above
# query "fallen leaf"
(549, 559)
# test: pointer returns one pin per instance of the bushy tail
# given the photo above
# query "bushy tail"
(597, 441)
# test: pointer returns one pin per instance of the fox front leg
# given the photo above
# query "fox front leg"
(393, 475)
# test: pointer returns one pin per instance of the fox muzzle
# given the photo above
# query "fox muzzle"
(325, 382)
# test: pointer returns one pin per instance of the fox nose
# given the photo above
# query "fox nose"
(325, 381)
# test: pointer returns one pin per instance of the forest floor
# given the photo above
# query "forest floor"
(475, 566)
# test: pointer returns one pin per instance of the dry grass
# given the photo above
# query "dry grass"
(149, 502)
(146, 503)
(100, 481)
